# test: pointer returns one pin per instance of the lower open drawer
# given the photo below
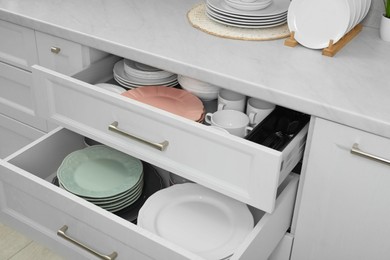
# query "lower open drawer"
(31, 203)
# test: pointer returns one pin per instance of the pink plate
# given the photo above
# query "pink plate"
(177, 101)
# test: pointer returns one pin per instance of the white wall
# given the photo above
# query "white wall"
(374, 15)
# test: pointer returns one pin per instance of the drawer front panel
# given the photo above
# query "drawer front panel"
(64, 56)
(30, 201)
(14, 135)
(194, 151)
(17, 45)
(16, 96)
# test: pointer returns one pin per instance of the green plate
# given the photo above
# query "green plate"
(99, 172)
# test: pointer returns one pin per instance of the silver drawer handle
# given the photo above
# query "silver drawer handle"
(159, 146)
(61, 233)
(355, 150)
(55, 50)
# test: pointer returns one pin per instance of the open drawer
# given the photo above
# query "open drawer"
(29, 201)
(228, 164)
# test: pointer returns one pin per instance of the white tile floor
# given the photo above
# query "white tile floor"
(15, 246)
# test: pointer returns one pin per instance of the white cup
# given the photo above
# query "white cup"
(235, 122)
(257, 110)
(229, 100)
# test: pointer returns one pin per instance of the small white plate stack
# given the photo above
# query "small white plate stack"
(132, 74)
(316, 22)
(248, 13)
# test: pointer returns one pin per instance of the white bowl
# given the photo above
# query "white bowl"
(201, 89)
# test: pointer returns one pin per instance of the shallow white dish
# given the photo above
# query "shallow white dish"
(132, 86)
(315, 29)
(277, 7)
(248, 6)
(111, 87)
(243, 24)
(136, 69)
(245, 17)
(199, 219)
(119, 72)
(234, 20)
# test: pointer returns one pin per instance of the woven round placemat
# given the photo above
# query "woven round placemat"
(198, 18)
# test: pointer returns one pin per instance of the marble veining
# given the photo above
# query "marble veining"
(351, 88)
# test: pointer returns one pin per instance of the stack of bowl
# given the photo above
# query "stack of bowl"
(203, 90)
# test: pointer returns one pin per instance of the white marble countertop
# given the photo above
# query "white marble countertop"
(352, 88)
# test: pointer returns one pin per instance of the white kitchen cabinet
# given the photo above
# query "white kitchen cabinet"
(344, 211)
(246, 171)
(14, 135)
(30, 202)
(17, 45)
(64, 56)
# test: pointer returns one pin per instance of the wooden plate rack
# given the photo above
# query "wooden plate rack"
(332, 48)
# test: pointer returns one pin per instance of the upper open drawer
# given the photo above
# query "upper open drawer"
(231, 165)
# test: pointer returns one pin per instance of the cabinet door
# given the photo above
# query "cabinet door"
(14, 135)
(17, 45)
(64, 56)
(344, 211)
(16, 96)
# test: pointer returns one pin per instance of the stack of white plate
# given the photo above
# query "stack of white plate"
(132, 74)
(316, 22)
(103, 176)
(274, 14)
(198, 219)
(249, 5)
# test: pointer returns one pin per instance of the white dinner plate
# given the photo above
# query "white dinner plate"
(132, 86)
(277, 7)
(245, 25)
(250, 6)
(136, 69)
(354, 6)
(244, 17)
(120, 73)
(246, 22)
(201, 220)
(314, 29)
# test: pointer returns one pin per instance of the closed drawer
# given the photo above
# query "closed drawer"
(231, 165)
(284, 248)
(31, 203)
(16, 96)
(17, 45)
(14, 135)
(64, 56)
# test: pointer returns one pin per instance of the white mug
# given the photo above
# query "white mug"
(230, 100)
(235, 122)
(257, 110)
